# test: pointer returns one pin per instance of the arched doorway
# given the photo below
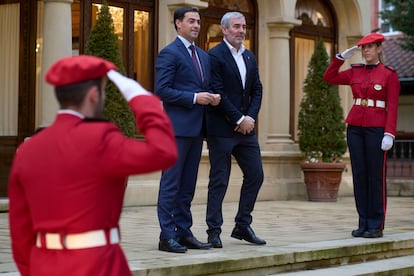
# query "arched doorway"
(318, 22)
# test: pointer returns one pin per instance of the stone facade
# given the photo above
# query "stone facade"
(281, 156)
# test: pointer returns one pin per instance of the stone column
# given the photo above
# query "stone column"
(57, 43)
(277, 110)
(280, 155)
(275, 23)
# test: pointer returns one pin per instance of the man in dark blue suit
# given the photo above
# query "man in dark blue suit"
(231, 129)
(182, 83)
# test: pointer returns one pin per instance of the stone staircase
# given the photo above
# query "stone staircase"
(391, 255)
(394, 266)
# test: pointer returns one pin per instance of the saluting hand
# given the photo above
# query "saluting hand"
(129, 88)
(350, 52)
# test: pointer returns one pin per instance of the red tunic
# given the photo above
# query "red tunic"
(377, 83)
(71, 178)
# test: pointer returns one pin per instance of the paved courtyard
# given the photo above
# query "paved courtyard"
(278, 222)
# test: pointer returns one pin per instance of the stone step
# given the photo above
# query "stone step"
(303, 258)
(393, 266)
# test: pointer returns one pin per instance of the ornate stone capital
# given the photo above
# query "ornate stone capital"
(280, 27)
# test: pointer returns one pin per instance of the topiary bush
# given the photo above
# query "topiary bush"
(103, 42)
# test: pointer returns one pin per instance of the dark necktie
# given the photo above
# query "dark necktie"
(195, 61)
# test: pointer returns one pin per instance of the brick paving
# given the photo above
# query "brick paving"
(280, 223)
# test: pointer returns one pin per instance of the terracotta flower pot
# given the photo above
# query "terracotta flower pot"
(322, 180)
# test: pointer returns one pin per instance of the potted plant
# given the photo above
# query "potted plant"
(321, 131)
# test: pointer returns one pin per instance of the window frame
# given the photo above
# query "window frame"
(313, 32)
(127, 50)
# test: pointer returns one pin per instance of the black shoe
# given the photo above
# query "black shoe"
(193, 243)
(171, 245)
(358, 232)
(215, 240)
(373, 233)
(247, 234)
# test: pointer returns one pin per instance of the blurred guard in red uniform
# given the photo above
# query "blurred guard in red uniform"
(67, 182)
(371, 128)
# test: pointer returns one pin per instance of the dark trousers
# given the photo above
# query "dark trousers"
(177, 188)
(246, 151)
(368, 163)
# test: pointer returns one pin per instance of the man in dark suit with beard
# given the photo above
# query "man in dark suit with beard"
(231, 129)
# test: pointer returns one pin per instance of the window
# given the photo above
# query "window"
(318, 22)
(384, 26)
(211, 34)
(313, 13)
(134, 26)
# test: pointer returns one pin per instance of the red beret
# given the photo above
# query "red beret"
(371, 38)
(73, 69)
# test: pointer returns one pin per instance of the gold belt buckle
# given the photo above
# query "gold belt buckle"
(364, 102)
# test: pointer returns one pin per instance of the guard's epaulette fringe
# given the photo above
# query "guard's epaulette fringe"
(357, 65)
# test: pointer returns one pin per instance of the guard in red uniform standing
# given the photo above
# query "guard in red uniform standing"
(371, 128)
(68, 181)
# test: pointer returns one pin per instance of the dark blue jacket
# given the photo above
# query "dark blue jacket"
(235, 101)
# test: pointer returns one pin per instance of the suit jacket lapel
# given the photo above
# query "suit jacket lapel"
(249, 68)
(230, 60)
(189, 60)
(184, 51)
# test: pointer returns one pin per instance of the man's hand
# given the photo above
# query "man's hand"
(205, 98)
(246, 126)
(348, 53)
(129, 88)
(216, 99)
(387, 142)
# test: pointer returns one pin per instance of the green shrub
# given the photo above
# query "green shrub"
(321, 124)
(103, 42)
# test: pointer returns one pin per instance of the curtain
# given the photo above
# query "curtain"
(304, 49)
(141, 51)
(9, 63)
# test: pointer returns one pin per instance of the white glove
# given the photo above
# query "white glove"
(348, 53)
(128, 87)
(387, 142)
